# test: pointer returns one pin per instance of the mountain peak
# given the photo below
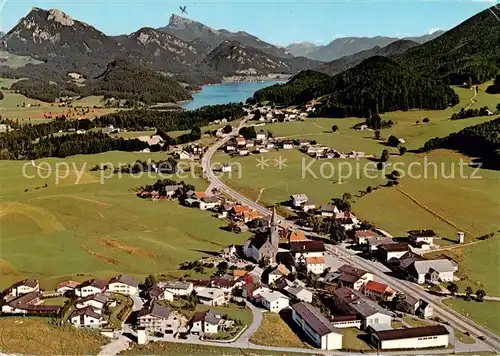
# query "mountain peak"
(57, 15)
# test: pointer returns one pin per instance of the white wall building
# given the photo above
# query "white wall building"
(123, 284)
(316, 326)
(274, 301)
(412, 338)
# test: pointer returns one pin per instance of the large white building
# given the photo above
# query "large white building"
(92, 286)
(412, 338)
(123, 284)
(274, 301)
(431, 271)
(319, 329)
(179, 288)
(87, 317)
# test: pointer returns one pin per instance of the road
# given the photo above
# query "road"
(445, 313)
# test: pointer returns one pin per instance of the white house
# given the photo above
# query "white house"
(353, 277)
(123, 284)
(210, 202)
(299, 293)
(302, 250)
(316, 326)
(86, 317)
(418, 237)
(394, 250)
(226, 167)
(211, 296)
(277, 272)
(209, 322)
(240, 141)
(96, 301)
(160, 293)
(328, 210)
(66, 286)
(412, 338)
(431, 271)
(261, 136)
(315, 265)
(155, 318)
(273, 301)
(298, 200)
(308, 205)
(22, 287)
(179, 288)
(287, 145)
(378, 291)
(92, 286)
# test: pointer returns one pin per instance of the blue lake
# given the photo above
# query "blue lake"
(225, 93)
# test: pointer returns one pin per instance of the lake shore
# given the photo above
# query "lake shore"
(256, 78)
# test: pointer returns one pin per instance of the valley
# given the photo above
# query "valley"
(185, 189)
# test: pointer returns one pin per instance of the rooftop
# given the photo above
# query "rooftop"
(422, 233)
(352, 270)
(156, 310)
(316, 321)
(376, 287)
(272, 296)
(412, 332)
(307, 246)
(395, 247)
(96, 283)
(178, 285)
(210, 293)
(315, 260)
(122, 278)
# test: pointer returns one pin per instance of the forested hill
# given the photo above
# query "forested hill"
(124, 80)
(472, 49)
(121, 80)
(481, 140)
(418, 78)
(376, 85)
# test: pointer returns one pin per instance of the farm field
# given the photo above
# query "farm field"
(174, 349)
(36, 336)
(12, 107)
(90, 229)
(478, 265)
(440, 204)
(484, 313)
(274, 331)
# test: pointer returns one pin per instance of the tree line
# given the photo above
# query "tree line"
(482, 140)
(138, 120)
(377, 85)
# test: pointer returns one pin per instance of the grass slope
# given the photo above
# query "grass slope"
(274, 331)
(484, 313)
(94, 229)
(36, 336)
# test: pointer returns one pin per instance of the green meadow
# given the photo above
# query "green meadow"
(90, 229)
(439, 195)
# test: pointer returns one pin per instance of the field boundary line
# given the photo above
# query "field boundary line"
(445, 220)
(260, 194)
(73, 196)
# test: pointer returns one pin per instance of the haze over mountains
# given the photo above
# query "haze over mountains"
(346, 46)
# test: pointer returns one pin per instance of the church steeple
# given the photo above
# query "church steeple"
(274, 233)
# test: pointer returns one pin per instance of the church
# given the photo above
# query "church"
(261, 247)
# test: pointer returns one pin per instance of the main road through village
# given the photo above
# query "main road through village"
(445, 313)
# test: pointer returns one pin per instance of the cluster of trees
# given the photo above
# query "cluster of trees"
(481, 140)
(495, 88)
(44, 91)
(171, 120)
(248, 132)
(375, 122)
(1, 95)
(480, 293)
(467, 113)
(37, 141)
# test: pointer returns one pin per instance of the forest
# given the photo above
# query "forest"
(120, 80)
(138, 120)
(481, 141)
(377, 85)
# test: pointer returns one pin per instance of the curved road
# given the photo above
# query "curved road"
(454, 318)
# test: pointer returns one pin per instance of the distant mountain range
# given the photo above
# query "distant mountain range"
(189, 30)
(346, 46)
(400, 76)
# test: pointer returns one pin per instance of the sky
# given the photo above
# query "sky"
(278, 22)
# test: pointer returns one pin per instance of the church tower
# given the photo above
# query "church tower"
(274, 236)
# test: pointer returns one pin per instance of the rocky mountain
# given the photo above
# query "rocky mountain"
(52, 36)
(346, 62)
(189, 30)
(347, 46)
(160, 50)
(232, 57)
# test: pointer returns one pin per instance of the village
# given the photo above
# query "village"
(290, 272)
